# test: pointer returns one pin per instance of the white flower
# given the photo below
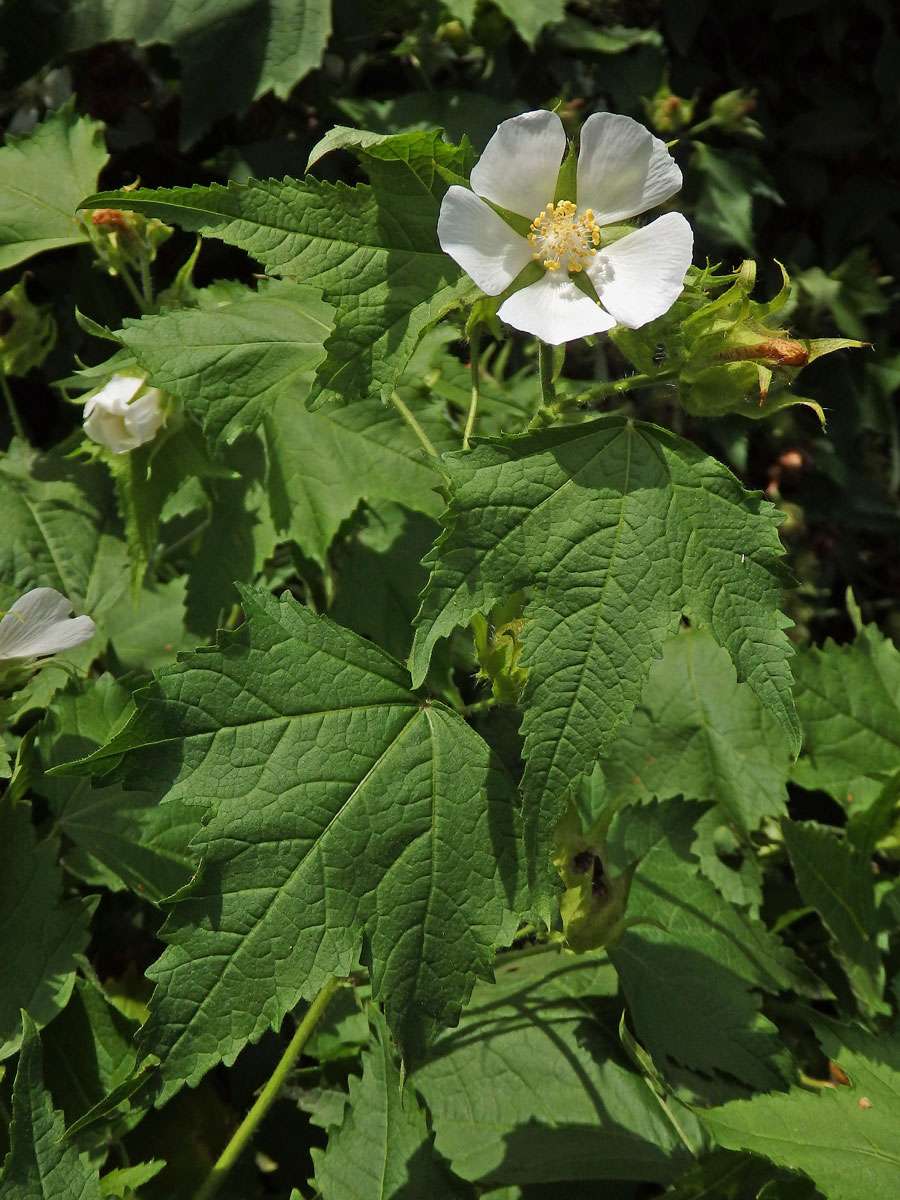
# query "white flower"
(124, 414)
(622, 171)
(39, 623)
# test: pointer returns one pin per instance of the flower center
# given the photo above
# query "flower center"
(562, 238)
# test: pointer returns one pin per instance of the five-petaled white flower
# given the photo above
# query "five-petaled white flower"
(622, 170)
(39, 623)
(124, 413)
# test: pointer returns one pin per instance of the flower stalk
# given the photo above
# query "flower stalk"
(269, 1094)
(474, 352)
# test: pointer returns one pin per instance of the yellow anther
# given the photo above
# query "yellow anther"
(562, 238)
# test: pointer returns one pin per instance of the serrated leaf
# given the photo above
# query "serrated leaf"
(711, 957)
(848, 1148)
(40, 935)
(43, 175)
(38, 1163)
(836, 879)
(383, 1150)
(229, 363)
(322, 464)
(700, 734)
(372, 250)
(341, 805)
(617, 529)
(534, 1085)
(848, 698)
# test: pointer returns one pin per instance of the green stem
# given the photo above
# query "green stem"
(548, 391)
(128, 279)
(11, 405)
(269, 1093)
(614, 387)
(413, 424)
(473, 406)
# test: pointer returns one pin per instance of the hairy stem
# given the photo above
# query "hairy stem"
(269, 1093)
(413, 424)
(613, 387)
(473, 406)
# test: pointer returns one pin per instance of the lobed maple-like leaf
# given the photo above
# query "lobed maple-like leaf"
(372, 250)
(617, 529)
(342, 808)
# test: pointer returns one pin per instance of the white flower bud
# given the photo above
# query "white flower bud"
(39, 623)
(124, 414)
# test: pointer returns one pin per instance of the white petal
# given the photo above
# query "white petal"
(144, 416)
(622, 168)
(42, 625)
(481, 242)
(520, 163)
(640, 277)
(554, 310)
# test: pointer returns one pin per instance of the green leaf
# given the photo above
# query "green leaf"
(381, 575)
(848, 698)
(257, 45)
(726, 1176)
(40, 935)
(237, 539)
(836, 879)
(341, 806)
(229, 363)
(89, 1050)
(534, 1085)
(527, 17)
(700, 734)
(43, 175)
(134, 839)
(712, 957)
(54, 514)
(322, 464)
(848, 1148)
(372, 250)
(151, 634)
(38, 1163)
(617, 528)
(383, 1148)
(123, 1182)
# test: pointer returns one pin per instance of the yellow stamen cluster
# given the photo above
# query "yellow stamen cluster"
(562, 239)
